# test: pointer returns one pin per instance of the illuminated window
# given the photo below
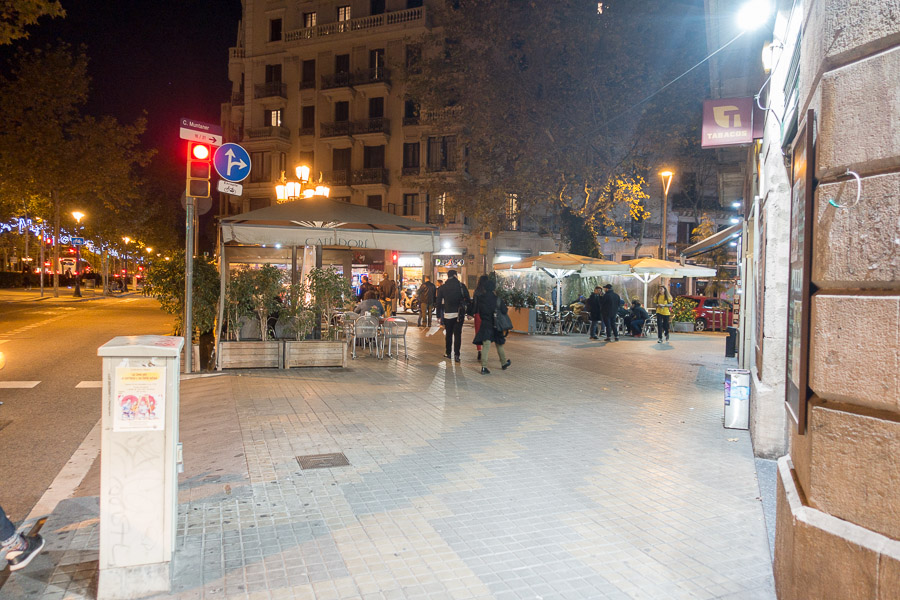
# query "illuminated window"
(309, 19)
(599, 8)
(273, 118)
(512, 212)
(343, 13)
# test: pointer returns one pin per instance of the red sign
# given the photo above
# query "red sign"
(727, 122)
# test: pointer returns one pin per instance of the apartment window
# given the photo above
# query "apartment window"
(410, 205)
(376, 63)
(413, 58)
(411, 155)
(273, 118)
(341, 111)
(410, 112)
(413, 3)
(373, 157)
(308, 74)
(342, 63)
(308, 120)
(282, 163)
(275, 30)
(376, 108)
(260, 167)
(273, 73)
(343, 13)
(374, 202)
(309, 19)
(442, 153)
(340, 159)
(512, 212)
(376, 7)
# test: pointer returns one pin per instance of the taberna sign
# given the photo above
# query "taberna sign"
(728, 122)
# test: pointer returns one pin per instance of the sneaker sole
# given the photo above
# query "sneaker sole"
(24, 563)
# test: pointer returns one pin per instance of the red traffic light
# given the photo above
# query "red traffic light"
(199, 151)
(395, 258)
(199, 170)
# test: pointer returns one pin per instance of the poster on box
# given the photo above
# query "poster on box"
(140, 403)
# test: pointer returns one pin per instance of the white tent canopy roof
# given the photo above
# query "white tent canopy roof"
(560, 264)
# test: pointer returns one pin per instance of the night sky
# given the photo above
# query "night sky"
(168, 58)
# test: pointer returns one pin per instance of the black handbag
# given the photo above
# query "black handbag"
(502, 322)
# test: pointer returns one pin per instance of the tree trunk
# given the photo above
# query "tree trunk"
(640, 242)
(105, 281)
(55, 195)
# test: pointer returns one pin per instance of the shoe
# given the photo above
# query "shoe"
(506, 365)
(617, 339)
(667, 338)
(594, 338)
(659, 341)
(19, 559)
(484, 371)
(456, 358)
(607, 340)
(479, 355)
(448, 356)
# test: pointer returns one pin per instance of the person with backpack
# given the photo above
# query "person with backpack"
(452, 298)
(489, 308)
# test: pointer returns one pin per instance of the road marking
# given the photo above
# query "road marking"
(71, 475)
(18, 384)
(90, 384)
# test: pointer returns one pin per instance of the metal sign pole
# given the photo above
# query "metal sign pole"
(188, 283)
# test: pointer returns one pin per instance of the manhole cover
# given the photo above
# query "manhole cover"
(323, 461)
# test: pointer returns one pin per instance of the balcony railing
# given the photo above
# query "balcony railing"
(412, 170)
(413, 120)
(375, 125)
(335, 80)
(370, 176)
(440, 168)
(335, 129)
(366, 76)
(237, 98)
(410, 15)
(270, 89)
(235, 53)
(308, 130)
(307, 84)
(449, 113)
(341, 177)
(257, 133)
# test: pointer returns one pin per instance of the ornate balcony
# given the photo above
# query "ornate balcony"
(376, 125)
(370, 177)
(411, 170)
(334, 129)
(308, 84)
(337, 178)
(270, 89)
(258, 133)
(235, 53)
(415, 16)
(335, 80)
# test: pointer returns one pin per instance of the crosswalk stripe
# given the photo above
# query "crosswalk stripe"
(18, 384)
(90, 384)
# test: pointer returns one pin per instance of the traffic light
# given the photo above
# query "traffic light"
(395, 257)
(199, 169)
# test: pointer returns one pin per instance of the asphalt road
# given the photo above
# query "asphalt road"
(55, 343)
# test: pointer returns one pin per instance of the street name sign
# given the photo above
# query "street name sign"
(78, 241)
(227, 187)
(232, 162)
(198, 131)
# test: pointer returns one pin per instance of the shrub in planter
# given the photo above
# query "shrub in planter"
(165, 282)
(683, 314)
(328, 290)
(253, 293)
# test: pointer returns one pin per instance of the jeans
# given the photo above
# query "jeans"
(595, 326)
(662, 323)
(425, 314)
(7, 529)
(487, 350)
(453, 334)
(609, 323)
(636, 326)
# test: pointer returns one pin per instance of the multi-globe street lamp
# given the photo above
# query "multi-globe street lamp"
(288, 190)
(664, 240)
(78, 217)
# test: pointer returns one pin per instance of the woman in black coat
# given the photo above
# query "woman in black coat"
(485, 305)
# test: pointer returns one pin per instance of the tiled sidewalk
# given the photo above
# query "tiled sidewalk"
(587, 470)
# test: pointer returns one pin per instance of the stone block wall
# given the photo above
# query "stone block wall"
(838, 529)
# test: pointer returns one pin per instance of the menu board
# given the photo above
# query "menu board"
(797, 377)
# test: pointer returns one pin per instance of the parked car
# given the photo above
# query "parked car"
(707, 307)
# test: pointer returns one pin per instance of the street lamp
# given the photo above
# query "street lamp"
(289, 190)
(126, 239)
(78, 217)
(664, 241)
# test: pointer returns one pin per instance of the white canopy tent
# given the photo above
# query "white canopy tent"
(648, 269)
(560, 265)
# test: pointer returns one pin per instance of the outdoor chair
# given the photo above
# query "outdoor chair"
(366, 330)
(649, 328)
(249, 328)
(394, 329)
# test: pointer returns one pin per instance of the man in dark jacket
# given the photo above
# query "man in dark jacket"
(453, 298)
(388, 292)
(593, 304)
(609, 306)
(426, 302)
(638, 316)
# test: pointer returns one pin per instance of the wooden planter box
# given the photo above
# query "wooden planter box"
(251, 355)
(682, 326)
(314, 353)
(524, 320)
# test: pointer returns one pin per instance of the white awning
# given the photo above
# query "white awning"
(714, 241)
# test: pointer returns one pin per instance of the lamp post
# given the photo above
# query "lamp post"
(78, 217)
(126, 239)
(289, 190)
(664, 240)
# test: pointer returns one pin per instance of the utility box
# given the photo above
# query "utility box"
(138, 463)
(737, 399)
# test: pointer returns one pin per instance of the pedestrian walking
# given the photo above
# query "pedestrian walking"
(486, 305)
(425, 295)
(593, 304)
(437, 305)
(452, 299)
(664, 304)
(479, 289)
(18, 549)
(388, 291)
(609, 307)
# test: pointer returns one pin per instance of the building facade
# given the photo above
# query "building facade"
(321, 83)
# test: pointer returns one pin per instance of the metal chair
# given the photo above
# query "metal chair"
(649, 326)
(366, 330)
(394, 329)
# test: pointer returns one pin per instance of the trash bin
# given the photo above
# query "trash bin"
(731, 342)
(737, 399)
